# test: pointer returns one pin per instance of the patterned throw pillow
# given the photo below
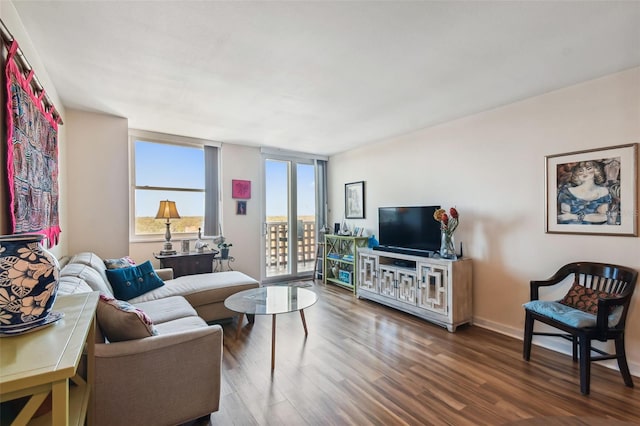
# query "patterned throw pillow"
(123, 262)
(121, 321)
(584, 299)
(134, 281)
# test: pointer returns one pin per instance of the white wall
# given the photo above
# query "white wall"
(491, 166)
(242, 162)
(14, 25)
(98, 183)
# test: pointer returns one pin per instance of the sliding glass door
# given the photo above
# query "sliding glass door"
(290, 218)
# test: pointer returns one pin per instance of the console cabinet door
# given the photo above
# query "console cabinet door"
(387, 281)
(367, 270)
(432, 294)
(407, 287)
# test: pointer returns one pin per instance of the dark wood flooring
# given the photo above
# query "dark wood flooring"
(366, 364)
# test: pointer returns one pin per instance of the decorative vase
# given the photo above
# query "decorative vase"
(224, 253)
(335, 271)
(28, 283)
(447, 246)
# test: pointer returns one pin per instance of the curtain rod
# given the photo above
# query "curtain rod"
(8, 38)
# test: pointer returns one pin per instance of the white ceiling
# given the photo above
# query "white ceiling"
(320, 76)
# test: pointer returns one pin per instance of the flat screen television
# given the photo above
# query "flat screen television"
(411, 230)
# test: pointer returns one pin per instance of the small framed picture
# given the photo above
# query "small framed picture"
(241, 189)
(241, 207)
(354, 200)
(593, 192)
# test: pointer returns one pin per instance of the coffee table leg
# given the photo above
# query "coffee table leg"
(273, 343)
(240, 318)
(304, 323)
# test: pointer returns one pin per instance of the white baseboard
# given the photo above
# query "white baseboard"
(557, 345)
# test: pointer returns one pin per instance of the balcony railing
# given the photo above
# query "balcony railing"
(277, 246)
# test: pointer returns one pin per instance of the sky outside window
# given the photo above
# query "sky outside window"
(171, 166)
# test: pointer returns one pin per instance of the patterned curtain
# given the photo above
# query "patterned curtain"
(32, 156)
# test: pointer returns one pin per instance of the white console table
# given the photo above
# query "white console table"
(437, 290)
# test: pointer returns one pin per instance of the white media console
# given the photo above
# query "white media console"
(437, 290)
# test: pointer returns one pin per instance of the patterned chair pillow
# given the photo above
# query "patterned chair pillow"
(584, 299)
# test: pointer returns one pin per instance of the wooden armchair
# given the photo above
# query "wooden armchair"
(594, 309)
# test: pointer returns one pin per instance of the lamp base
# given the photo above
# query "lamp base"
(167, 249)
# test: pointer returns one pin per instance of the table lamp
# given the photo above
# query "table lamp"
(167, 210)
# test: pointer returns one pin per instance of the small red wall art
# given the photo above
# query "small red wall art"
(241, 189)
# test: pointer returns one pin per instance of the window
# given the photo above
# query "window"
(166, 167)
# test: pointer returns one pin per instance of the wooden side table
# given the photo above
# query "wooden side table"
(43, 361)
(188, 263)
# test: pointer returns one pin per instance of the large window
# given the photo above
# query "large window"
(164, 167)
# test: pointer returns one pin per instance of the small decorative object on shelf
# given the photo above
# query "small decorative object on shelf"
(448, 225)
(28, 284)
(200, 245)
(223, 245)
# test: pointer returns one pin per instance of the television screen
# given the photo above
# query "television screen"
(409, 228)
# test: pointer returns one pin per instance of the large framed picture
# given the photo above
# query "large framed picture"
(354, 200)
(593, 192)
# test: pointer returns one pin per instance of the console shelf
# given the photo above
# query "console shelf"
(437, 290)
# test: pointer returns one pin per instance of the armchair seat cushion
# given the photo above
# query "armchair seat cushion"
(570, 316)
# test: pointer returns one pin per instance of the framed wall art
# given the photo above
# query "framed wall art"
(241, 207)
(241, 189)
(354, 200)
(593, 192)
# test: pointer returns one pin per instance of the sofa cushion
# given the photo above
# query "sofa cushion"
(131, 282)
(92, 277)
(120, 320)
(92, 260)
(123, 262)
(72, 285)
(202, 289)
(180, 325)
(167, 309)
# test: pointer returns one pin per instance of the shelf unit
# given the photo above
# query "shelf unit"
(341, 259)
(437, 290)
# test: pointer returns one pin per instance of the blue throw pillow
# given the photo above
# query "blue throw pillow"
(128, 283)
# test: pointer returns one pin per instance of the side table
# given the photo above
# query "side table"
(188, 263)
(43, 361)
(223, 264)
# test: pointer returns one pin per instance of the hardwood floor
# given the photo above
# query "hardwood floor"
(364, 363)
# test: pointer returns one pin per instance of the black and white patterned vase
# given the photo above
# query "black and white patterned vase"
(28, 283)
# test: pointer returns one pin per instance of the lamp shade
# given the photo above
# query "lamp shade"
(167, 210)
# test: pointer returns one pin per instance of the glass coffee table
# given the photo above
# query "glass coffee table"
(271, 300)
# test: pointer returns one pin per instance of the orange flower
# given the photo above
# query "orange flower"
(448, 222)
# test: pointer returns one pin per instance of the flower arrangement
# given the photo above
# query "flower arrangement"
(223, 244)
(448, 225)
(448, 222)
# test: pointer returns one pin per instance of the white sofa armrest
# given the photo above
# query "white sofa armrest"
(165, 274)
(164, 379)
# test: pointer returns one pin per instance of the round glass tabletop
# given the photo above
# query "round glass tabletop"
(271, 300)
